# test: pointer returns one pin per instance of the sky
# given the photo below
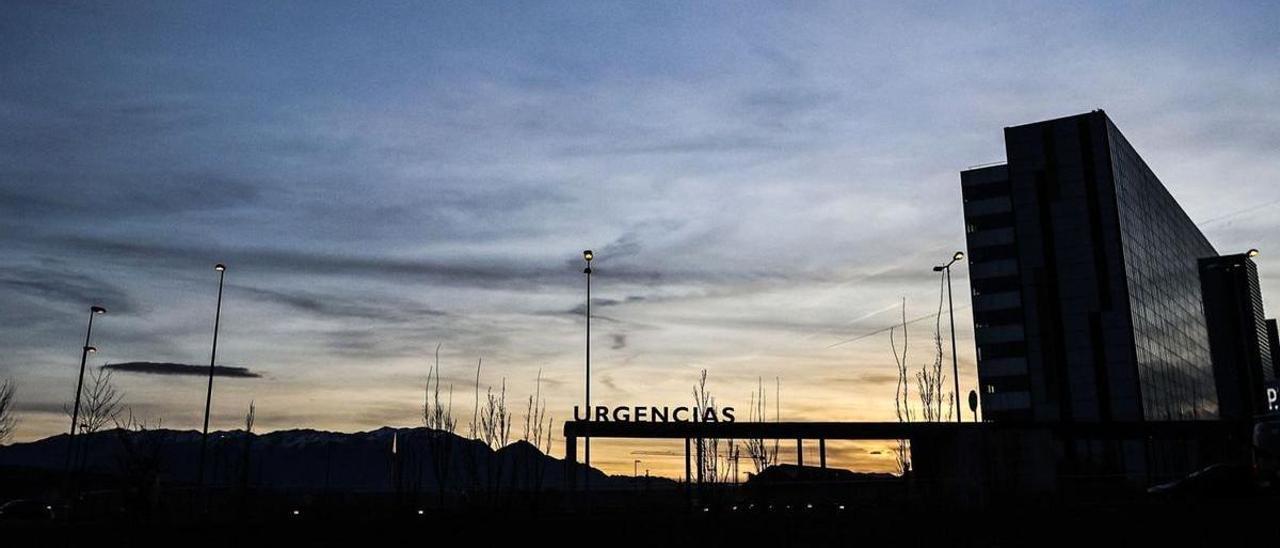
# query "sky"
(763, 185)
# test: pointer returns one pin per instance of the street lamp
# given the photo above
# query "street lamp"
(221, 269)
(85, 350)
(1252, 253)
(587, 255)
(955, 367)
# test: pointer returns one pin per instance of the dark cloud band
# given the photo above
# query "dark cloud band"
(162, 368)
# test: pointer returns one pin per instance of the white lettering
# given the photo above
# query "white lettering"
(627, 413)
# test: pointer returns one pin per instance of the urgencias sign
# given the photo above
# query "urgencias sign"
(628, 413)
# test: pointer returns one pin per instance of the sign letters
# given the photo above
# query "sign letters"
(643, 413)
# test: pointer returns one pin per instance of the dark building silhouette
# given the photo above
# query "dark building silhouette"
(1273, 338)
(1238, 338)
(1085, 282)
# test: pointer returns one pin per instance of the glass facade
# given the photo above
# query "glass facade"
(1162, 247)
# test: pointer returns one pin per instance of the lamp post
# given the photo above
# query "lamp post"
(85, 350)
(951, 311)
(586, 440)
(213, 356)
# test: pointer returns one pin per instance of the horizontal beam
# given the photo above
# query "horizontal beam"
(893, 430)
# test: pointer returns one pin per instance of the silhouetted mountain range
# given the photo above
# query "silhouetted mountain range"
(382, 460)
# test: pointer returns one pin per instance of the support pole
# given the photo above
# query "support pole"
(213, 359)
(822, 453)
(571, 461)
(698, 442)
(688, 473)
(799, 452)
(955, 365)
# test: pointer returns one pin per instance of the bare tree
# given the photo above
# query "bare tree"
(714, 464)
(935, 402)
(731, 456)
(495, 429)
(902, 393)
(758, 449)
(245, 454)
(438, 418)
(475, 410)
(551, 424)
(473, 432)
(100, 402)
(495, 419)
(100, 405)
(707, 449)
(777, 410)
(8, 422)
(435, 415)
(536, 426)
(535, 413)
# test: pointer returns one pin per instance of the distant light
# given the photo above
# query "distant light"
(220, 267)
(959, 256)
(706, 508)
(809, 506)
(588, 255)
(91, 349)
(296, 512)
(735, 508)
(841, 507)
(420, 512)
(1252, 253)
(97, 310)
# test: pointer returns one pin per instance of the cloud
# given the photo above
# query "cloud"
(482, 272)
(55, 283)
(875, 378)
(602, 302)
(608, 381)
(335, 306)
(165, 368)
(122, 194)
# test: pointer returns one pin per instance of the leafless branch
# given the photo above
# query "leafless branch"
(475, 410)
(758, 449)
(436, 415)
(8, 422)
(902, 393)
(100, 402)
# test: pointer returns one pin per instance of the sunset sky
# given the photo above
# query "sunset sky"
(760, 182)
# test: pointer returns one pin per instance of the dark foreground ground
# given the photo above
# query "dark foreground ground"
(1252, 521)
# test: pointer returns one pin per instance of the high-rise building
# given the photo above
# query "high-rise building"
(1085, 282)
(1238, 339)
